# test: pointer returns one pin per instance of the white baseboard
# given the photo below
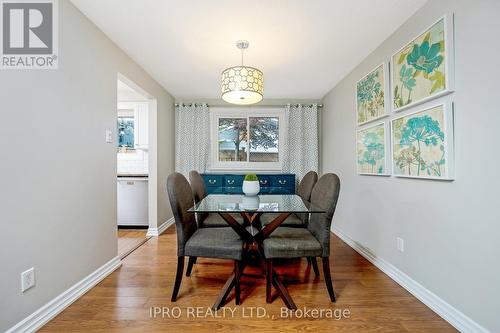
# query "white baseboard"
(446, 311)
(43, 315)
(155, 232)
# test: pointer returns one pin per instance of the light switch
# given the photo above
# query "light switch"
(109, 136)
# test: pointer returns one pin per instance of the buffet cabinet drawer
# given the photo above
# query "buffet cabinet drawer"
(264, 181)
(232, 190)
(213, 180)
(233, 180)
(283, 181)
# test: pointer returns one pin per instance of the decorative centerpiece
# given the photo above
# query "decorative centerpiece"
(251, 186)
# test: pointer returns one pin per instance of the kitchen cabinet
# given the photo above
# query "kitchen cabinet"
(132, 201)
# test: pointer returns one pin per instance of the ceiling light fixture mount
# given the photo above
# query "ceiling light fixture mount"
(242, 85)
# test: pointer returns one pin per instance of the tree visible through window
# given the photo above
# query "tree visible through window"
(264, 136)
(232, 139)
(250, 139)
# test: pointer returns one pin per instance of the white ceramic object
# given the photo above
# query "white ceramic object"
(251, 188)
(250, 202)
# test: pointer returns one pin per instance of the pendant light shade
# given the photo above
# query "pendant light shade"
(242, 85)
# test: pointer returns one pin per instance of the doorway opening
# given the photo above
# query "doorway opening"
(136, 158)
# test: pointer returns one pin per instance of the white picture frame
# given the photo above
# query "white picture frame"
(449, 59)
(449, 142)
(387, 93)
(387, 151)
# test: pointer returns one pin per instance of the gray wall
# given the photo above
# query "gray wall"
(58, 192)
(451, 229)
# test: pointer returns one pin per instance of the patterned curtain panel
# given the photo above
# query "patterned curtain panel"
(192, 138)
(301, 146)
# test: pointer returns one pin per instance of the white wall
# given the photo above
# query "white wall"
(132, 163)
(451, 229)
(58, 192)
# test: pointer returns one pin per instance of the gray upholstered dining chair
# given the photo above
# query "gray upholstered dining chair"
(313, 241)
(304, 191)
(193, 242)
(306, 185)
(199, 192)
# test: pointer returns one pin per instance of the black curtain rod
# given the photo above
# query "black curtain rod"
(258, 105)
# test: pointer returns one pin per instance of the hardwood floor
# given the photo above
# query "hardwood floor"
(129, 240)
(122, 302)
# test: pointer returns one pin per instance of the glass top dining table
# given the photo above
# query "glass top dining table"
(251, 230)
(269, 203)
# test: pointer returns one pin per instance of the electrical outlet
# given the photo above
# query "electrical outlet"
(401, 244)
(27, 279)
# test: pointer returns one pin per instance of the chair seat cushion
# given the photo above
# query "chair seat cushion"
(291, 221)
(222, 243)
(288, 242)
(214, 220)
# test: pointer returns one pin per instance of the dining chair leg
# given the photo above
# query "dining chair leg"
(283, 293)
(328, 278)
(191, 262)
(308, 260)
(237, 276)
(269, 279)
(178, 277)
(315, 266)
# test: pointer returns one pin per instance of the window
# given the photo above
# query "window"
(125, 131)
(233, 139)
(132, 127)
(264, 139)
(246, 138)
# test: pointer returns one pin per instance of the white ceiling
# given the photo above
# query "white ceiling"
(304, 47)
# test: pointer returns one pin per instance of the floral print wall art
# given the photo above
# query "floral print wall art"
(370, 95)
(371, 150)
(422, 143)
(421, 70)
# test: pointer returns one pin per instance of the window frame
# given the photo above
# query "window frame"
(139, 112)
(245, 112)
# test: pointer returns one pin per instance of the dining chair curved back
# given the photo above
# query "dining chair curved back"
(304, 191)
(197, 185)
(199, 192)
(324, 195)
(181, 199)
(306, 185)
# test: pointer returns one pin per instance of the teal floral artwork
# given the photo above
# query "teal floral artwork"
(425, 57)
(406, 77)
(419, 68)
(370, 96)
(371, 150)
(419, 144)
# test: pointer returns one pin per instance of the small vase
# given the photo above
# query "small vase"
(251, 188)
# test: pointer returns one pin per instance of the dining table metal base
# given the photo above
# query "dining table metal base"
(252, 251)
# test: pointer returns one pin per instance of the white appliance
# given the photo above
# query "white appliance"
(132, 201)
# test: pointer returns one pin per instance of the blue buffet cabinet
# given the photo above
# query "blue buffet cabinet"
(222, 183)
